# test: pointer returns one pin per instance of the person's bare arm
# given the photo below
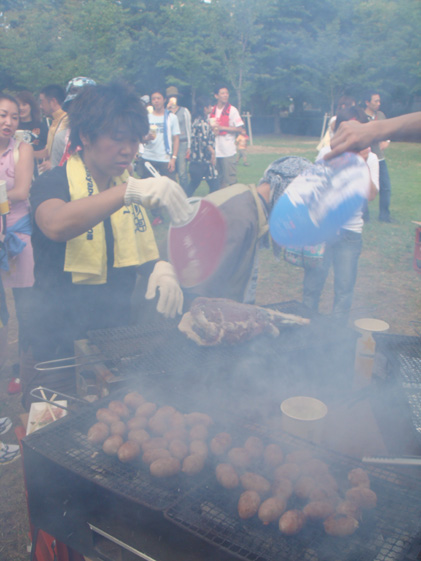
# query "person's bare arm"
(264, 190)
(175, 147)
(231, 129)
(61, 221)
(41, 154)
(24, 171)
(213, 155)
(355, 136)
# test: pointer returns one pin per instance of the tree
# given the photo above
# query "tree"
(237, 23)
(190, 46)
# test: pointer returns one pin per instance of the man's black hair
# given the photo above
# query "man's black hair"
(105, 109)
(369, 94)
(160, 91)
(54, 91)
(220, 87)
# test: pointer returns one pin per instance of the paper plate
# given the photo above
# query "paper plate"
(195, 248)
(320, 201)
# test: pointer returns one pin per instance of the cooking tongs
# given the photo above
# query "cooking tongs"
(48, 365)
(48, 396)
(393, 460)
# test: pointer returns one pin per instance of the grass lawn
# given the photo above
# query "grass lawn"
(387, 286)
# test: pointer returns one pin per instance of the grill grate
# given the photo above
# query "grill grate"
(161, 348)
(65, 443)
(385, 534)
(203, 508)
(404, 356)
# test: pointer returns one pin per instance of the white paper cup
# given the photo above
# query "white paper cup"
(4, 203)
(365, 349)
(304, 417)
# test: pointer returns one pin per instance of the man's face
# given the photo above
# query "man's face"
(157, 101)
(374, 103)
(222, 96)
(45, 105)
(110, 154)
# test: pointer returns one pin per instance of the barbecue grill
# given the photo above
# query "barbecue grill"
(402, 358)
(101, 507)
(385, 534)
(90, 501)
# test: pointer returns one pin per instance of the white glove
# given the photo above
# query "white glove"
(159, 191)
(171, 296)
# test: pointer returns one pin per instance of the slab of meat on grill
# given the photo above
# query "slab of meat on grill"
(211, 321)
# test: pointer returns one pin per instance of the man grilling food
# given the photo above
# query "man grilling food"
(92, 235)
(215, 315)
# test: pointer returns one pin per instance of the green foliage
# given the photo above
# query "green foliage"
(267, 51)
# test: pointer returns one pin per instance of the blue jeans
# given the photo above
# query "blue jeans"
(343, 253)
(385, 191)
(181, 166)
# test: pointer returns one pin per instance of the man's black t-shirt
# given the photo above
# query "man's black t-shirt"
(63, 311)
(38, 131)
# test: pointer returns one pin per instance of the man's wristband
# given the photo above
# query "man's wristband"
(174, 157)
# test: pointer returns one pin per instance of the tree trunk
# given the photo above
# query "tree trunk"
(277, 123)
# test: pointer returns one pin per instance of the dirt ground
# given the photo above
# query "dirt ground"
(14, 526)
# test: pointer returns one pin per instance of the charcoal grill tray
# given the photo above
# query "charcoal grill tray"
(386, 533)
(404, 355)
(65, 443)
(161, 347)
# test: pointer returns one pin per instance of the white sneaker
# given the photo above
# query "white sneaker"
(8, 453)
(5, 425)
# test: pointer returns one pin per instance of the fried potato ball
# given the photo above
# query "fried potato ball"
(165, 467)
(98, 433)
(288, 470)
(193, 464)
(220, 443)
(255, 482)
(112, 444)
(133, 399)
(319, 510)
(227, 476)
(358, 477)
(119, 408)
(340, 525)
(254, 447)
(128, 451)
(362, 497)
(291, 522)
(271, 509)
(146, 409)
(248, 504)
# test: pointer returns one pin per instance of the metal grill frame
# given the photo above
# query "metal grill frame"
(403, 354)
(251, 541)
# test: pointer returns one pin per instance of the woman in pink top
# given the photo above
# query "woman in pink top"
(16, 168)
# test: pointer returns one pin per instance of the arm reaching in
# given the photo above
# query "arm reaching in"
(354, 136)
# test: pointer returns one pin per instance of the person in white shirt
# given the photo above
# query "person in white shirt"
(226, 123)
(161, 144)
(344, 251)
(184, 121)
